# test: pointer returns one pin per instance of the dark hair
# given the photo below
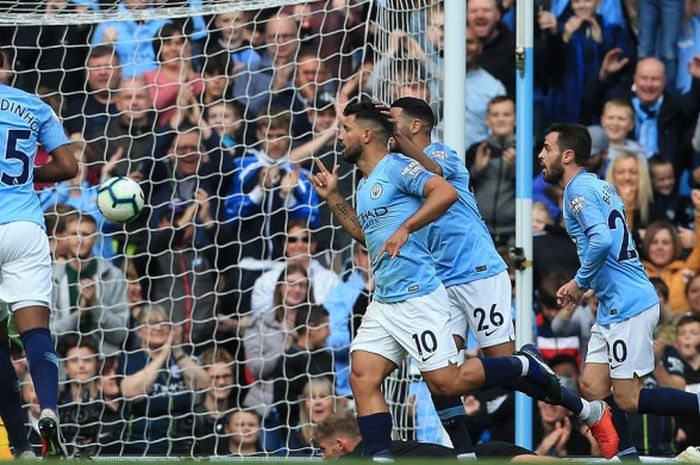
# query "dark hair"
(72, 341)
(167, 32)
(217, 63)
(417, 108)
(547, 290)
(102, 51)
(278, 297)
(499, 99)
(687, 319)
(366, 111)
(658, 160)
(574, 137)
(660, 286)
(309, 315)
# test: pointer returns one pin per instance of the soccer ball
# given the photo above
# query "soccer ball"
(120, 199)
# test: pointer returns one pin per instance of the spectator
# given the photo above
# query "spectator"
(226, 119)
(230, 34)
(629, 174)
(112, 419)
(346, 305)
(659, 24)
(174, 55)
(576, 322)
(492, 167)
(305, 360)
(587, 38)
(128, 140)
(556, 433)
(89, 295)
(80, 409)
(567, 369)
(618, 122)
(300, 247)
(679, 210)
(131, 39)
(271, 332)
(552, 246)
(692, 294)
(498, 52)
(482, 90)
(549, 343)
(661, 119)
(688, 46)
(256, 86)
(662, 248)
(159, 383)
(217, 79)
(89, 112)
(218, 400)
(57, 218)
(688, 347)
(243, 428)
(268, 192)
(318, 403)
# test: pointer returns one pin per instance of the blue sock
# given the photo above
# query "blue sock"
(454, 419)
(500, 370)
(10, 401)
(626, 449)
(43, 365)
(376, 434)
(668, 402)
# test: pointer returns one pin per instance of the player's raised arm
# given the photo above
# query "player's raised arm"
(326, 184)
(62, 166)
(439, 196)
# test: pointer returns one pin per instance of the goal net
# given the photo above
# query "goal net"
(195, 329)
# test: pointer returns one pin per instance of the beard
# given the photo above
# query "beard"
(350, 154)
(554, 173)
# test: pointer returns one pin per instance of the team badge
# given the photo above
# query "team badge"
(376, 191)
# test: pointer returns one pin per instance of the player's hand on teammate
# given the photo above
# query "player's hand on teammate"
(325, 182)
(393, 245)
(613, 62)
(483, 156)
(569, 294)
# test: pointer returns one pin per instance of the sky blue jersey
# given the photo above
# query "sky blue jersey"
(24, 121)
(385, 199)
(595, 219)
(460, 241)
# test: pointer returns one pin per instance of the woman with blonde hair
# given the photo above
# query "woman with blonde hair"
(319, 402)
(662, 250)
(629, 174)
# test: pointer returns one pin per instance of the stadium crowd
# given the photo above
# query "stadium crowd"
(219, 321)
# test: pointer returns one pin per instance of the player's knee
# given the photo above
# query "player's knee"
(627, 401)
(364, 380)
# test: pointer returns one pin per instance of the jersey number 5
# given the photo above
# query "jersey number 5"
(12, 152)
(625, 252)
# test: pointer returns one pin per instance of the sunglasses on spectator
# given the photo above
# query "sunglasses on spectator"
(295, 239)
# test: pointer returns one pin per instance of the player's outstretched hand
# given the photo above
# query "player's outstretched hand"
(325, 182)
(393, 245)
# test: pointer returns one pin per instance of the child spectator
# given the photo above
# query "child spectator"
(679, 210)
(230, 35)
(688, 346)
(618, 122)
(243, 428)
(548, 342)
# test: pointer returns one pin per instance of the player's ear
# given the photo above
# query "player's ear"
(568, 156)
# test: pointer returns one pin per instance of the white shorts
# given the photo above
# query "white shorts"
(25, 266)
(627, 346)
(418, 326)
(484, 305)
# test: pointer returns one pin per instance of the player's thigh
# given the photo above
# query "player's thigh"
(373, 345)
(486, 304)
(419, 326)
(630, 345)
(595, 379)
(25, 266)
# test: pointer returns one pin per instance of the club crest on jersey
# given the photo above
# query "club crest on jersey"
(376, 191)
(576, 204)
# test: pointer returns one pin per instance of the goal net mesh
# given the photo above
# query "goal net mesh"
(174, 329)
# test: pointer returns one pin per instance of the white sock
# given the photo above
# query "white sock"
(525, 362)
(467, 456)
(585, 411)
(592, 411)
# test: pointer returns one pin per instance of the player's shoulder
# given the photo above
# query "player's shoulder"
(440, 151)
(19, 95)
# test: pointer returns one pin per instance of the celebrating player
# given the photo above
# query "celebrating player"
(25, 260)
(475, 275)
(396, 199)
(621, 348)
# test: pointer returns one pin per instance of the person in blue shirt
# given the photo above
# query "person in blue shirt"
(473, 272)
(25, 259)
(621, 348)
(396, 199)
